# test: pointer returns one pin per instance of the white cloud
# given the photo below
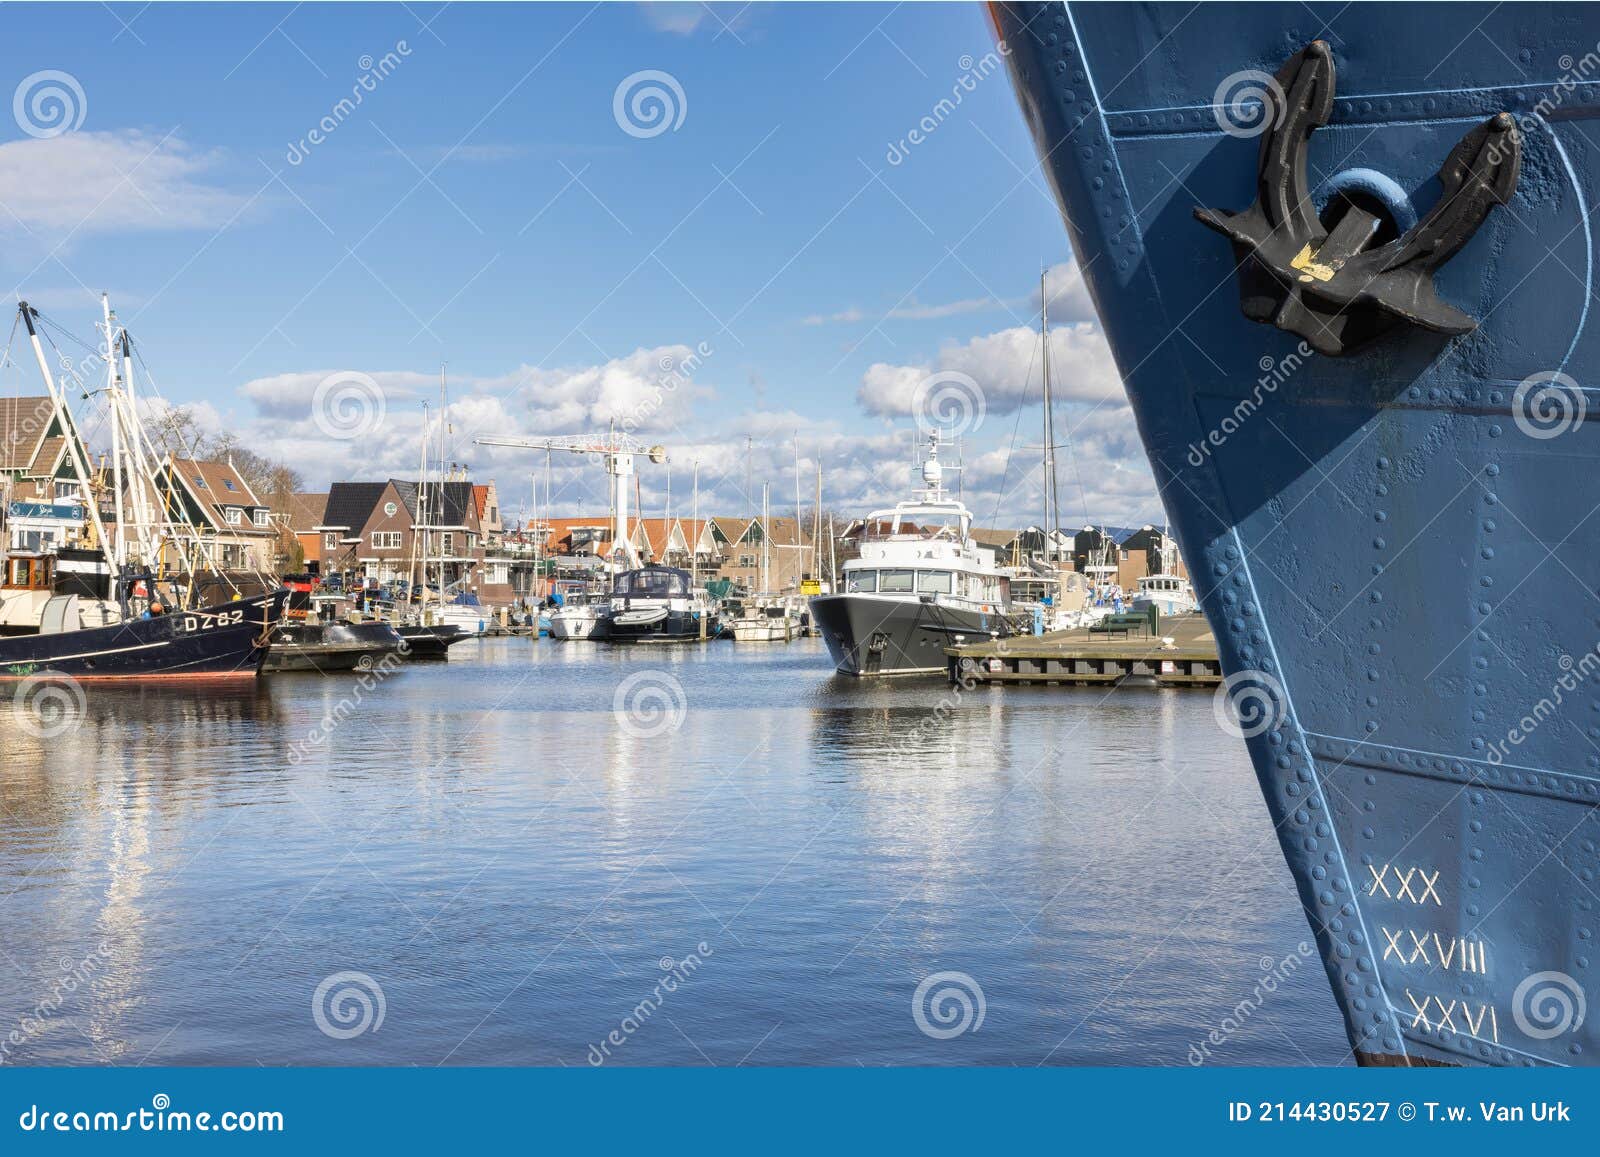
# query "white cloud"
(1069, 296)
(87, 182)
(913, 311)
(681, 19)
(736, 451)
(1007, 367)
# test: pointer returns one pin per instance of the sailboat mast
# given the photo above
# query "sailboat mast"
(766, 540)
(816, 527)
(1052, 498)
(421, 522)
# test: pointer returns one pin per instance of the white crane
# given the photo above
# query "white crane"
(619, 451)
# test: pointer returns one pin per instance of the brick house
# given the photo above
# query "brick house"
(372, 531)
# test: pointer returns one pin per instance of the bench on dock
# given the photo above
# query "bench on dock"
(1122, 625)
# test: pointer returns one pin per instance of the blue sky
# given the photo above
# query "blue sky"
(484, 205)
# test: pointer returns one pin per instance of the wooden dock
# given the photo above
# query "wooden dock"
(1088, 658)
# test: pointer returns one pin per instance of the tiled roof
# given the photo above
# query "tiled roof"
(305, 511)
(350, 504)
(22, 422)
(216, 482)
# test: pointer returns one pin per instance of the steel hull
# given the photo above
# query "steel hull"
(875, 635)
(330, 646)
(225, 641)
(1388, 549)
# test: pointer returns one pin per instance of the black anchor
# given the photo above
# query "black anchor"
(1326, 284)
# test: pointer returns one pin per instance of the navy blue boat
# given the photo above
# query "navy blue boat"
(1346, 268)
(229, 640)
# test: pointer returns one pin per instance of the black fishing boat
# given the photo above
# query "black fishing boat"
(226, 640)
(145, 598)
(434, 642)
(315, 636)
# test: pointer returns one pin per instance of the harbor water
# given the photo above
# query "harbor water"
(544, 854)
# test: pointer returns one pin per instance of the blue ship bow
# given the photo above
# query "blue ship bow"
(1375, 445)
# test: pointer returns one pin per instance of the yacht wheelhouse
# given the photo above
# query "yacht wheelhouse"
(921, 584)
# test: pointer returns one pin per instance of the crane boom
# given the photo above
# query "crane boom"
(618, 449)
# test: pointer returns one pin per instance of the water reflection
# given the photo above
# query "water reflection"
(510, 858)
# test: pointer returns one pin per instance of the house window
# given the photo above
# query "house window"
(385, 540)
(446, 542)
(199, 482)
(234, 515)
(228, 482)
(747, 560)
(330, 541)
(261, 517)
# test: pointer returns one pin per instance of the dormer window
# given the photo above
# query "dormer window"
(261, 517)
(234, 515)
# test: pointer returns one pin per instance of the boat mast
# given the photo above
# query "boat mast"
(694, 526)
(114, 408)
(1052, 499)
(68, 428)
(816, 527)
(766, 539)
(149, 552)
(419, 531)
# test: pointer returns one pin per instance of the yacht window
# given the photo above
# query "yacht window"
(861, 581)
(896, 581)
(934, 582)
(652, 584)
